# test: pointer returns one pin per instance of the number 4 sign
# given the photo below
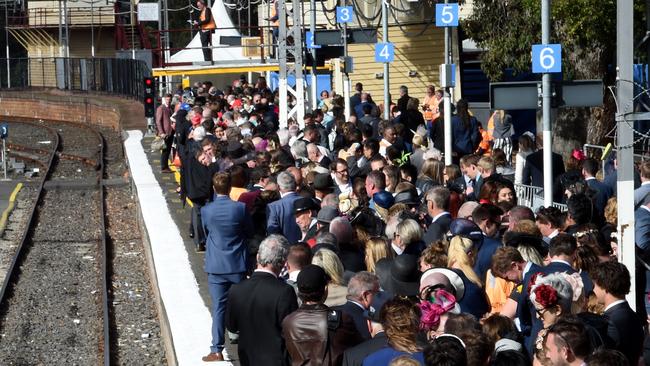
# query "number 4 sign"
(384, 52)
(547, 58)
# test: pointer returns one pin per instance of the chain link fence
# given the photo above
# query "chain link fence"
(108, 75)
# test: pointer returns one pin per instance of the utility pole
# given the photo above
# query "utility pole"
(346, 77)
(312, 29)
(625, 118)
(7, 47)
(384, 27)
(92, 28)
(447, 99)
(547, 129)
(294, 50)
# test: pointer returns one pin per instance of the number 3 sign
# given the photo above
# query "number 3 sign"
(547, 58)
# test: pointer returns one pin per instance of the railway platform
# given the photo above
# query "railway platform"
(181, 280)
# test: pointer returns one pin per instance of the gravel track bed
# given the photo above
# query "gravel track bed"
(114, 163)
(16, 225)
(72, 170)
(54, 314)
(77, 140)
(136, 331)
(29, 135)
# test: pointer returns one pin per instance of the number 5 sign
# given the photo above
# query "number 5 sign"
(384, 52)
(447, 15)
(547, 58)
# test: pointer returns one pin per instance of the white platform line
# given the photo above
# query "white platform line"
(188, 316)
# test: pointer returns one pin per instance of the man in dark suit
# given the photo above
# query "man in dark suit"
(370, 120)
(488, 218)
(603, 191)
(227, 226)
(354, 356)
(533, 173)
(611, 284)
(257, 306)
(355, 100)
(362, 288)
(280, 214)
(437, 201)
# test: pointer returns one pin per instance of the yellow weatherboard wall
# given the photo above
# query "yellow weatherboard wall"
(423, 54)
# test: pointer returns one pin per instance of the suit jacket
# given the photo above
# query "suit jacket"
(354, 356)
(603, 193)
(372, 121)
(437, 229)
(641, 195)
(530, 324)
(325, 162)
(484, 256)
(281, 218)
(642, 228)
(256, 308)
(626, 331)
(227, 226)
(360, 321)
(533, 173)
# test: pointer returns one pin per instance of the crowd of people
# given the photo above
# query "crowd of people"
(348, 241)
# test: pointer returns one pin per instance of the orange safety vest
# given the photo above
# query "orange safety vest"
(208, 25)
(274, 14)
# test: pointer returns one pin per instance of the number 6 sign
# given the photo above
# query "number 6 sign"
(547, 58)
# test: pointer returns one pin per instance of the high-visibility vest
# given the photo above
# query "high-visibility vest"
(274, 14)
(208, 25)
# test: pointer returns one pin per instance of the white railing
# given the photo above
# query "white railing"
(533, 197)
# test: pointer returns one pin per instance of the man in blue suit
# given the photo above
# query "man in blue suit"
(280, 214)
(227, 225)
(642, 194)
(488, 218)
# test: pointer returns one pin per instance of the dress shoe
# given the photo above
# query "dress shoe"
(200, 248)
(213, 357)
(166, 170)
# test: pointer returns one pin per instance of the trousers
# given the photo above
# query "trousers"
(219, 285)
(206, 43)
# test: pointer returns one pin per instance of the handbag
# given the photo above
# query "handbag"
(157, 144)
(177, 161)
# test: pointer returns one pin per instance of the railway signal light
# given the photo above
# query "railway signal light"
(149, 97)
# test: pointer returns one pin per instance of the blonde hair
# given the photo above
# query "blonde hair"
(461, 256)
(434, 169)
(330, 262)
(409, 231)
(376, 248)
(404, 360)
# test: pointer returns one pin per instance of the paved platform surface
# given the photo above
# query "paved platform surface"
(182, 281)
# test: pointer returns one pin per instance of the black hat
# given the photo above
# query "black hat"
(408, 197)
(467, 229)
(405, 275)
(303, 204)
(312, 278)
(323, 181)
(235, 150)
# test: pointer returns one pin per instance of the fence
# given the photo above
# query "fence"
(533, 197)
(109, 75)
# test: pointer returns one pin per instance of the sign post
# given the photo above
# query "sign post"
(4, 132)
(447, 17)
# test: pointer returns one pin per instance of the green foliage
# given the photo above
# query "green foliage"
(506, 30)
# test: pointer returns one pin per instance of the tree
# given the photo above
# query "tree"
(507, 29)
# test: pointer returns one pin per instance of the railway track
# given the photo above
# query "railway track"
(54, 298)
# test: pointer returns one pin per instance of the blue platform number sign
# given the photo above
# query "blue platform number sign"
(547, 58)
(384, 52)
(4, 131)
(344, 14)
(447, 15)
(309, 40)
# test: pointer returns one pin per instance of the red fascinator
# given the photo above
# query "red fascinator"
(545, 295)
(578, 155)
